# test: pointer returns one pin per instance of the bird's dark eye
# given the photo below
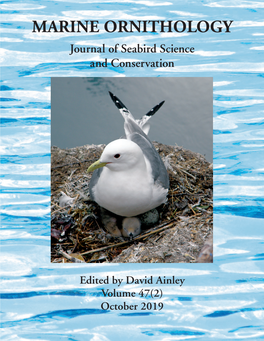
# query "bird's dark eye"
(117, 156)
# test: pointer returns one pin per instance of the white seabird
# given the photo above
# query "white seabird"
(130, 178)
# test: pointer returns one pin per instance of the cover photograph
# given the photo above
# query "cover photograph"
(132, 170)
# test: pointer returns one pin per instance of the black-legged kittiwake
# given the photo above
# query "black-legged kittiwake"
(130, 178)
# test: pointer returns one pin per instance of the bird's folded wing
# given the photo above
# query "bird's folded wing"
(136, 134)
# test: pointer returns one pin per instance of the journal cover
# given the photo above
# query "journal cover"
(132, 170)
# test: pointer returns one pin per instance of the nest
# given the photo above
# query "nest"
(186, 220)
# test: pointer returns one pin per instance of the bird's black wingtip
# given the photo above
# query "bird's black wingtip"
(117, 101)
(155, 109)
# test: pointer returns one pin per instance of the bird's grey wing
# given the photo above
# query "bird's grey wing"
(143, 121)
(122, 108)
(126, 113)
(136, 134)
(94, 180)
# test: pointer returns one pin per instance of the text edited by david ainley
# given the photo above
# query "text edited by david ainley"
(148, 296)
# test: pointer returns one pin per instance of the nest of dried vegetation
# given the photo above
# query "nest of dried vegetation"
(186, 220)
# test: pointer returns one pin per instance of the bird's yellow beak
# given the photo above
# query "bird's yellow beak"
(95, 165)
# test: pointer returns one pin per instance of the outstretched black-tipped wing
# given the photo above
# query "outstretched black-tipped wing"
(117, 101)
(126, 113)
(155, 109)
(134, 132)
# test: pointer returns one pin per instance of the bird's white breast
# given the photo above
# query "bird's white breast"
(123, 194)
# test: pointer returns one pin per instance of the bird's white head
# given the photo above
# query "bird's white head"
(121, 155)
